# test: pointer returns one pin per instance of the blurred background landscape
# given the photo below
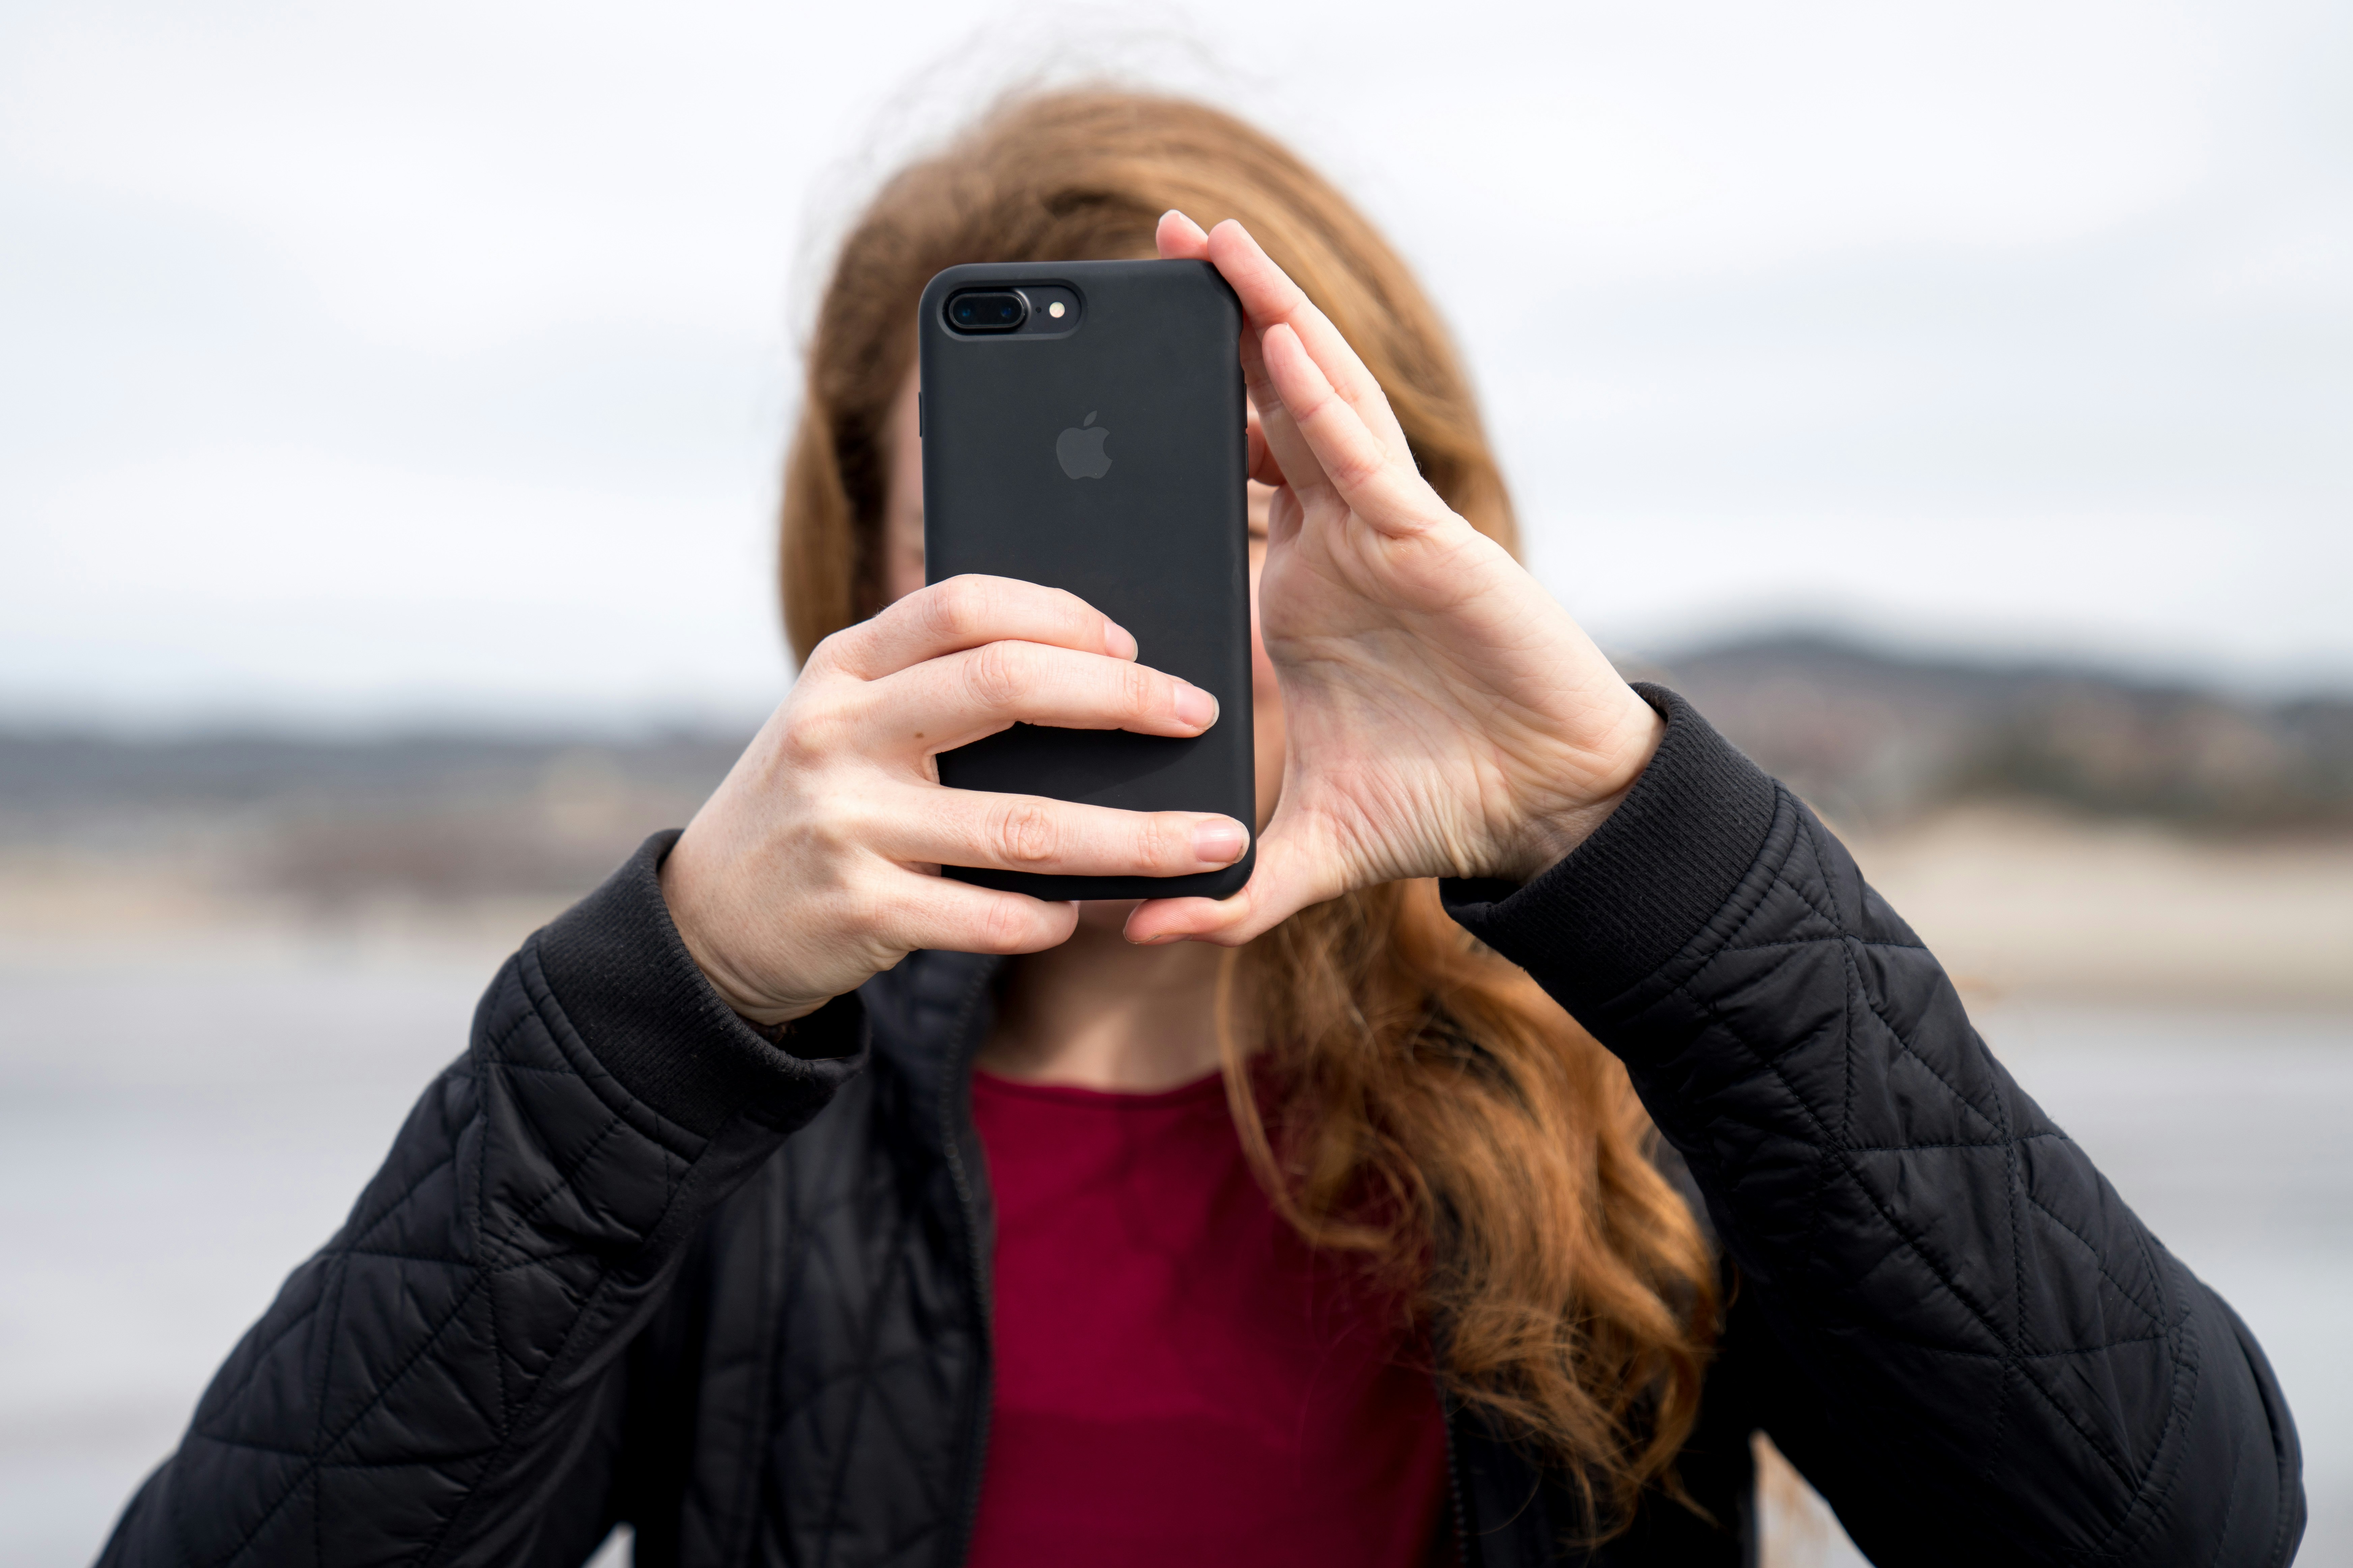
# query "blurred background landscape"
(2062, 830)
(227, 961)
(1951, 400)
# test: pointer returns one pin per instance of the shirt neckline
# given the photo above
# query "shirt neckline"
(1210, 1087)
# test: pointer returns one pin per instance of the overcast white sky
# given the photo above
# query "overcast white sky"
(364, 363)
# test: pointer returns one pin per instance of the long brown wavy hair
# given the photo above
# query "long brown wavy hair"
(1432, 1109)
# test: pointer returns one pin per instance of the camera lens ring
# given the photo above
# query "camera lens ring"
(987, 312)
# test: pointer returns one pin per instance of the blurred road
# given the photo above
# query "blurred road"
(177, 1133)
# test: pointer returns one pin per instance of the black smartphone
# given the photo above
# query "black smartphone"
(1083, 427)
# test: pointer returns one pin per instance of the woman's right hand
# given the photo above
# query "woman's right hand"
(817, 863)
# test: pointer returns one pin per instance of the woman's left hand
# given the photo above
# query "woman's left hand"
(1444, 715)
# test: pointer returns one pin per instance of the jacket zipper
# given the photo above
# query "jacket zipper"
(1454, 1480)
(977, 1423)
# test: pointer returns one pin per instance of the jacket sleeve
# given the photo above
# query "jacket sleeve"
(442, 1383)
(1983, 1355)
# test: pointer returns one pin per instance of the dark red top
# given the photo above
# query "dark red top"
(1179, 1378)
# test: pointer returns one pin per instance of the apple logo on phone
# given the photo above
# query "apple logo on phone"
(1080, 450)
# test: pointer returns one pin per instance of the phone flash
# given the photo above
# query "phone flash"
(1055, 310)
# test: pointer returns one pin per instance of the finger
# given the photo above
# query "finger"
(1282, 455)
(1390, 496)
(1283, 510)
(940, 914)
(1278, 453)
(935, 827)
(1271, 298)
(969, 612)
(1181, 238)
(1286, 880)
(1262, 466)
(1284, 516)
(956, 700)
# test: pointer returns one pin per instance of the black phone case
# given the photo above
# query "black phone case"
(1149, 378)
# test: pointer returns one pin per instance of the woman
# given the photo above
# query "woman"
(769, 1216)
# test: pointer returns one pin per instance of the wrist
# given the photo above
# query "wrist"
(1549, 835)
(755, 1004)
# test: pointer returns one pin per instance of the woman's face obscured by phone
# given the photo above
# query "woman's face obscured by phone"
(902, 574)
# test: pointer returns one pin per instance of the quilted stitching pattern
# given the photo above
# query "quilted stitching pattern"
(1955, 1278)
(424, 1359)
(881, 1324)
(553, 1306)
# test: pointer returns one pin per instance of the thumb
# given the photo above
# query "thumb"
(1289, 877)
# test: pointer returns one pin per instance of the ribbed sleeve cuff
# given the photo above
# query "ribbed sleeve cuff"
(1634, 895)
(621, 974)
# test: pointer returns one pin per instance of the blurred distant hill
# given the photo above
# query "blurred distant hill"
(437, 816)
(1876, 739)
(1873, 740)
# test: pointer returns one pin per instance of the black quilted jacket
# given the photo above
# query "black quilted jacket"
(629, 1262)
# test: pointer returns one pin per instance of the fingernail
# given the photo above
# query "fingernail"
(1219, 841)
(1196, 707)
(1118, 641)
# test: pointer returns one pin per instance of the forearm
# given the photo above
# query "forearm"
(441, 1382)
(1982, 1327)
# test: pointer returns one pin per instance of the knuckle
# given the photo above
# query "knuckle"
(1317, 404)
(995, 674)
(1159, 843)
(822, 849)
(1005, 925)
(817, 730)
(1025, 834)
(1142, 692)
(955, 609)
(1358, 468)
(883, 915)
(826, 656)
(835, 826)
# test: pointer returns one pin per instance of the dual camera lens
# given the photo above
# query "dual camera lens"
(988, 311)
